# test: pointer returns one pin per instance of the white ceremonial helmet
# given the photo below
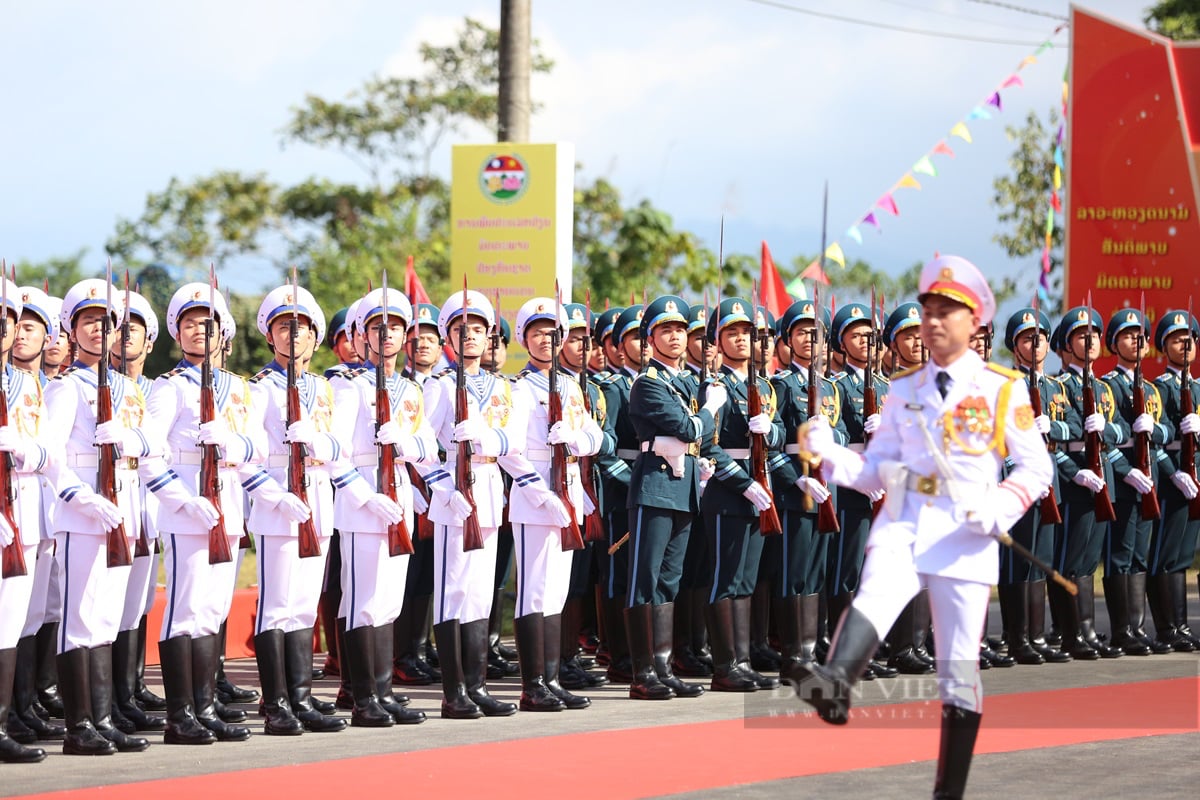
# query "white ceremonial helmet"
(91, 293)
(371, 306)
(139, 307)
(12, 297)
(476, 305)
(196, 295)
(37, 302)
(536, 309)
(54, 309)
(279, 303)
(352, 318)
(228, 328)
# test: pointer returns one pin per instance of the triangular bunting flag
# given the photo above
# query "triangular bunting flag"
(960, 130)
(1025, 62)
(834, 253)
(1049, 221)
(871, 220)
(888, 203)
(925, 166)
(813, 273)
(797, 289)
(1046, 45)
(1057, 178)
(1012, 80)
(994, 100)
(854, 233)
(908, 182)
(1055, 203)
(942, 148)
(1058, 157)
(979, 113)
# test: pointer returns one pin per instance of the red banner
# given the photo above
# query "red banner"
(1132, 189)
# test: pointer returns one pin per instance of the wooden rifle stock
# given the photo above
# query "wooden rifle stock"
(117, 545)
(871, 399)
(1049, 504)
(13, 556)
(1092, 443)
(827, 521)
(399, 539)
(1187, 445)
(210, 478)
(1141, 442)
(768, 520)
(424, 523)
(463, 479)
(572, 537)
(308, 544)
(593, 526)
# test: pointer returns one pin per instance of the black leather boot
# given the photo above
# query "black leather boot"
(1036, 610)
(227, 692)
(358, 658)
(827, 688)
(902, 654)
(993, 658)
(101, 685)
(763, 657)
(1187, 641)
(145, 698)
(47, 670)
(175, 655)
(12, 752)
(474, 660)
(392, 703)
(1014, 600)
(407, 661)
(571, 673)
(789, 617)
(205, 653)
(727, 673)
(959, 730)
(921, 625)
(24, 693)
(495, 623)
(663, 628)
(741, 643)
(297, 666)
(1086, 600)
(1116, 601)
(639, 624)
(455, 703)
(82, 738)
(1136, 595)
(620, 663)
(552, 626)
(531, 647)
(125, 661)
(687, 660)
(345, 695)
(268, 652)
(1073, 643)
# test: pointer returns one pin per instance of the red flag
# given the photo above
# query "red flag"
(775, 296)
(412, 285)
(813, 272)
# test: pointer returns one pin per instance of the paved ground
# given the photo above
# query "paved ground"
(1165, 766)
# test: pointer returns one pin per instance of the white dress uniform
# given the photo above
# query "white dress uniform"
(92, 594)
(143, 575)
(199, 595)
(543, 567)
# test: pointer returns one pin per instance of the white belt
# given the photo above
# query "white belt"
(451, 458)
(546, 455)
(282, 462)
(365, 461)
(628, 455)
(857, 447)
(1075, 447)
(91, 461)
(1173, 446)
(737, 454)
(792, 449)
(693, 448)
(195, 459)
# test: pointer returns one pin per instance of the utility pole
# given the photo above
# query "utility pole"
(514, 71)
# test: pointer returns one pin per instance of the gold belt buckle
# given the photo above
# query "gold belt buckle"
(927, 485)
(693, 449)
(131, 463)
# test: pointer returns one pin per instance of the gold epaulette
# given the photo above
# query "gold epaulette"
(1011, 374)
(904, 373)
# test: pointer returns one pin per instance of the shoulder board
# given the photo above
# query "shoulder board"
(64, 373)
(837, 376)
(1112, 373)
(171, 374)
(262, 373)
(1011, 374)
(509, 378)
(652, 371)
(353, 373)
(904, 373)
(884, 379)
(445, 372)
(781, 374)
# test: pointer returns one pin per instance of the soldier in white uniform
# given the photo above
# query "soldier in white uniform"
(93, 593)
(373, 580)
(199, 594)
(18, 441)
(288, 584)
(464, 580)
(947, 427)
(537, 514)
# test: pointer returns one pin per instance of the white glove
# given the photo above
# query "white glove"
(202, 511)
(813, 488)
(715, 397)
(549, 502)
(420, 504)
(99, 509)
(389, 433)
(1190, 424)
(1089, 480)
(588, 506)
(115, 432)
(1139, 480)
(1042, 423)
(6, 533)
(460, 507)
(875, 495)
(757, 495)
(871, 423)
(818, 437)
(1186, 486)
(11, 441)
(292, 507)
(1094, 423)
(215, 433)
(561, 433)
(384, 507)
(470, 429)
(302, 431)
(760, 423)
(982, 520)
(1143, 423)
(707, 467)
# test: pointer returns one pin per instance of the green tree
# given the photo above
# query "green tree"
(1177, 19)
(59, 274)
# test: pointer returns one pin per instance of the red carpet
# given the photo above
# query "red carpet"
(652, 761)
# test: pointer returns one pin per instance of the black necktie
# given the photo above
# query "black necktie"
(943, 383)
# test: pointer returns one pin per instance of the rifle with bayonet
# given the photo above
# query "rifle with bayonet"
(309, 546)
(768, 518)
(1092, 444)
(399, 540)
(1049, 504)
(13, 555)
(1141, 441)
(463, 478)
(1187, 405)
(116, 544)
(827, 521)
(593, 526)
(572, 537)
(141, 548)
(210, 478)
(870, 395)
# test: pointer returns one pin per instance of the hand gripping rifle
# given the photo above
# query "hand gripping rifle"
(1092, 443)
(768, 519)
(210, 476)
(141, 547)
(13, 555)
(572, 537)
(106, 464)
(399, 540)
(463, 478)
(1141, 441)
(297, 480)
(870, 395)
(593, 526)
(1049, 504)
(1187, 405)
(827, 521)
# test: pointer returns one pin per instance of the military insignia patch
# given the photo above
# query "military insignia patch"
(1023, 417)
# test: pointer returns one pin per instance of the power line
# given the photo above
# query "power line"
(956, 16)
(1034, 11)
(900, 28)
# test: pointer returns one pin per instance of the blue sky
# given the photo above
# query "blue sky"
(706, 107)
